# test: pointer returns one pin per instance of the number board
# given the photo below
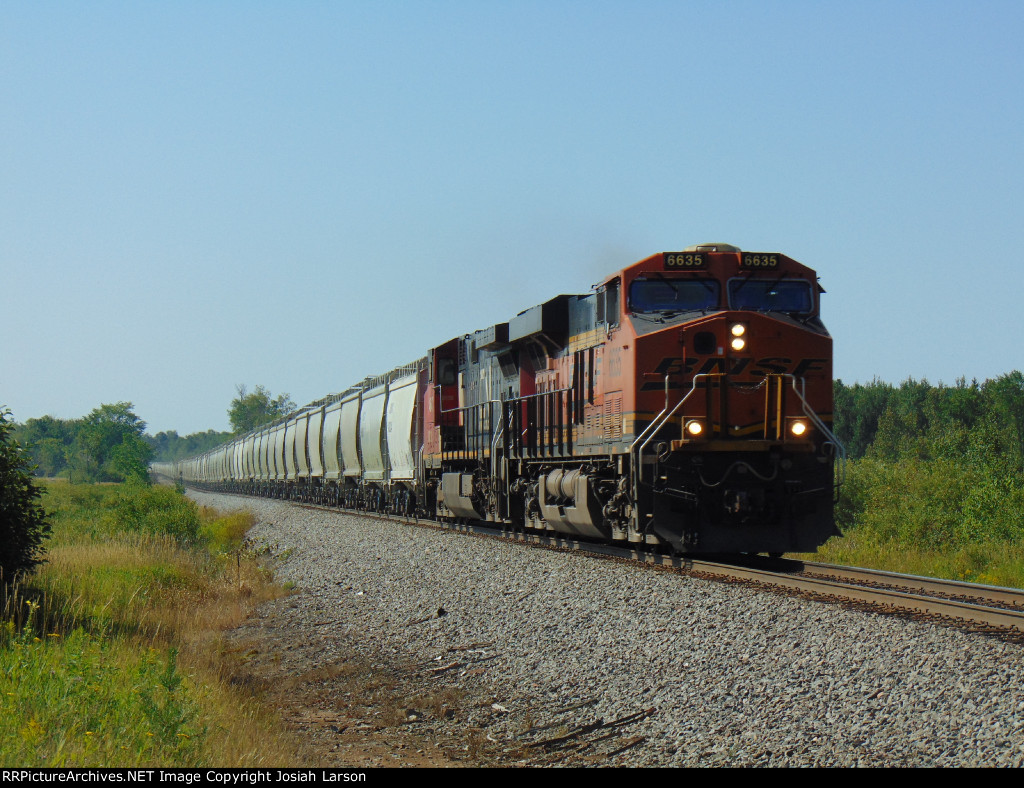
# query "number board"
(684, 261)
(759, 260)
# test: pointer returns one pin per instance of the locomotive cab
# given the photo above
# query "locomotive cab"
(733, 450)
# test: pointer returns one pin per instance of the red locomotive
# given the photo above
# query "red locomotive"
(687, 402)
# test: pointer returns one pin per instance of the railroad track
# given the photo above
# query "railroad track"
(986, 609)
(979, 608)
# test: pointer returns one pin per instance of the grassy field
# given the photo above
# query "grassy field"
(998, 564)
(940, 518)
(110, 655)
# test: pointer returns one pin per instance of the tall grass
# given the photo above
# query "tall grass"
(939, 517)
(80, 700)
(108, 654)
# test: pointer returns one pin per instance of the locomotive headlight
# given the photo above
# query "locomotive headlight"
(798, 428)
(694, 428)
(739, 334)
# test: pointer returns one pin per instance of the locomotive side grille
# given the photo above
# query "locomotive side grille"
(613, 417)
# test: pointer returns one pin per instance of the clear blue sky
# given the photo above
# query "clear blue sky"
(298, 194)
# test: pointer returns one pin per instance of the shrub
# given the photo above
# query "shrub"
(23, 524)
(937, 504)
(156, 510)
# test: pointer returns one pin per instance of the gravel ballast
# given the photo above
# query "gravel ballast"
(659, 669)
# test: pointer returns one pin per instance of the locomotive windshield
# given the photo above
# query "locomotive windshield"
(771, 295)
(663, 294)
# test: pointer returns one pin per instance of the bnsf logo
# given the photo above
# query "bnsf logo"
(749, 367)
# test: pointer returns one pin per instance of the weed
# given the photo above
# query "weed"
(102, 655)
(170, 712)
(475, 743)
(442, 703)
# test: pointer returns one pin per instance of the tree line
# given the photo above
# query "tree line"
(111, 444)
(933, 466)
(976, 422)
(108, 445)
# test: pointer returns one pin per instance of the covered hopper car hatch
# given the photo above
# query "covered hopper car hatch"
(684, 403)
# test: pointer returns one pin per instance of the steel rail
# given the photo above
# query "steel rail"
(901, 600)
(934, 585)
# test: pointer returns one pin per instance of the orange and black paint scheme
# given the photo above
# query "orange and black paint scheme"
(687, 403)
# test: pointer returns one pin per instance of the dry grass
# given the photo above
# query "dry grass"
(442, 703)
(104, 609)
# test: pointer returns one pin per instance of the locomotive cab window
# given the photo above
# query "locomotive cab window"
(447, 371)
(665, 294)
(771, 295)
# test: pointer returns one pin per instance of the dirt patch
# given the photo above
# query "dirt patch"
(350, 711)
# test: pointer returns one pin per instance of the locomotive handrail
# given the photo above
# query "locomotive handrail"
(653, 422)
(503, 401)
(498, 429)
(659, 421)
(670, 414)
(474, 405)
(539, 394)
(814, 417)
(633, 470)
(421, 478)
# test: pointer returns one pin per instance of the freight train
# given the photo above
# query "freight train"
(686, 402)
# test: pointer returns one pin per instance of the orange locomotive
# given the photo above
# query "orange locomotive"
(687, 403)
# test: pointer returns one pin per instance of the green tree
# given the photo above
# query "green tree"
(250, 410)
(1005, 396)
(109, 446)
(47, 440)
(857, 411)
(902, 426)
(23, 524)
